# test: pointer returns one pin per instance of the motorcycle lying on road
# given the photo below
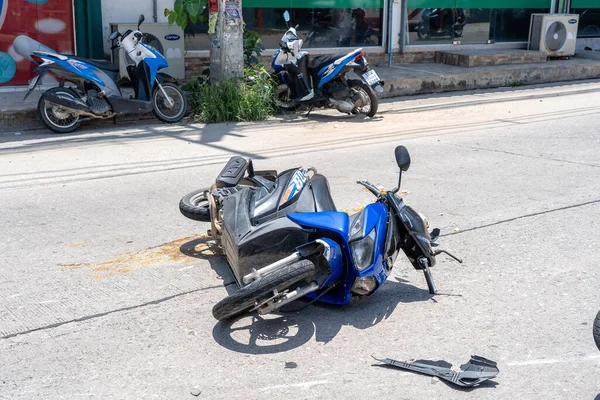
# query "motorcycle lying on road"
(321, 81)
(97, 94)
(284, 239)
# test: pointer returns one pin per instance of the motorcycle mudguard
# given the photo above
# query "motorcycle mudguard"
(162, 78)
(233, 172)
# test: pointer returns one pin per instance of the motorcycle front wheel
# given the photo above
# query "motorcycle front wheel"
(58, 118)
(195, 205)
(262, 288)
(282, 99)
(163, 109)
(368, 98)
(423, 31)
(597, 330)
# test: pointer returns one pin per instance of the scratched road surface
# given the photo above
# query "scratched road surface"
(106, 290)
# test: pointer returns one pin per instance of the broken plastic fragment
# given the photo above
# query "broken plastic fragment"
(476, 371)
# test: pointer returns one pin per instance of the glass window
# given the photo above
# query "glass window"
(319, 27)
(469, 25)
(589, 21)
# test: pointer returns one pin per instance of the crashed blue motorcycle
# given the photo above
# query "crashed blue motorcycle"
(96, 94)
(284, 239)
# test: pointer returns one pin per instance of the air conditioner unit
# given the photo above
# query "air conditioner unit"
(553, 34)
(165, 38)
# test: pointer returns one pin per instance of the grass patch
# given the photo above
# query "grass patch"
(248, 99)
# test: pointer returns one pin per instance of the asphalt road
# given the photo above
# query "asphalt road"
(106, 290)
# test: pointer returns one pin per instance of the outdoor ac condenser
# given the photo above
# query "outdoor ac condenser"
(554, 34)
(167, 39)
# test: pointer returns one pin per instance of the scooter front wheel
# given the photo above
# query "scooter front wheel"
(262, 288)
(172, 107)
(282, 99)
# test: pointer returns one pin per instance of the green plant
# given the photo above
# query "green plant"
(187, 10)
(247, 99)
(252, 48)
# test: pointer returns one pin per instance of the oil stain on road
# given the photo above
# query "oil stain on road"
(183, 250)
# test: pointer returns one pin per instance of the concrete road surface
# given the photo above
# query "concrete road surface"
(106, 290)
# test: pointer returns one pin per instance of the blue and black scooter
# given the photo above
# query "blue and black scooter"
(284, 239)
(96, 94)
(321, 81)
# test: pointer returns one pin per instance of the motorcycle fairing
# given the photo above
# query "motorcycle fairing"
(332, 221)
(295, 185)
(155, 61)
(330, 71)
(79, 69)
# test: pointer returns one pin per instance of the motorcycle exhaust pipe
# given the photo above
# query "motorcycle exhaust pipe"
(69, 102)
(341, 105)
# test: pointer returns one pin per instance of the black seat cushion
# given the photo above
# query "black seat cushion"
(316, 63)
(102, 64)
(320, 188)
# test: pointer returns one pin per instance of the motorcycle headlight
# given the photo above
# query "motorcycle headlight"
(363, 250)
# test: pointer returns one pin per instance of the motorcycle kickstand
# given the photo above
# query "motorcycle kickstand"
(309, 110)
(428, 276)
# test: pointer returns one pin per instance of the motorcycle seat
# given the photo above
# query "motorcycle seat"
(322, 194)
(316, 63)
(101, 64)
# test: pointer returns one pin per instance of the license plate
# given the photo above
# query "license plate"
(371, 77)
(33, 82)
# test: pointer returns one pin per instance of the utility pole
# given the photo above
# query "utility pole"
(227, 41)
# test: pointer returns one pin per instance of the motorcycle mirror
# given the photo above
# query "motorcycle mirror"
(140, 20)
(286, 16)
(402, 158)
(114, 35)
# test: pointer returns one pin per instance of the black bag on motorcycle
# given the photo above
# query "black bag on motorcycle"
(298, 78)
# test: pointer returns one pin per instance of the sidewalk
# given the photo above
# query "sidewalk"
(400, 80)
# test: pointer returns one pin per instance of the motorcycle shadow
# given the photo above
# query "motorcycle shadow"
(284, 331)
(301, 117)
(207, 249)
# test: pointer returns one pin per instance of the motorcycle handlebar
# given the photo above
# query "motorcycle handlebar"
(370, 187)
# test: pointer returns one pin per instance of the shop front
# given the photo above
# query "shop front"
(28, 25)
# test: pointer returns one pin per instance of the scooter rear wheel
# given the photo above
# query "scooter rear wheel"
(195, 205)
(261, 289)
(366, 93)
(55, 117)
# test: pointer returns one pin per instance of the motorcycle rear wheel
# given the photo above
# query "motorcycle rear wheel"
(55, 117)
(597, 330)
(365, 91)
(195, 205)
(261, 289)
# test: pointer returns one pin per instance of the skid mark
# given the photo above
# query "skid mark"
(183, 250)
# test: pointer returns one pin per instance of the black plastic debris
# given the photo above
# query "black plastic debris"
(476, 371)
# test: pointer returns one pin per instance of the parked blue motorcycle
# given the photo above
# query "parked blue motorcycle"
(259, 219)
(96, 93)
(321, 81)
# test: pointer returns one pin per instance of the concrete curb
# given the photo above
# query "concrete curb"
(520, 75)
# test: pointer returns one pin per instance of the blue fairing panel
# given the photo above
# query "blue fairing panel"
(372, 214)
(336, 71)
(332, 221)
(154, 64)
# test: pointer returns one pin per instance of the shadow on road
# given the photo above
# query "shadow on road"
(254, 334)
(291, 327)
